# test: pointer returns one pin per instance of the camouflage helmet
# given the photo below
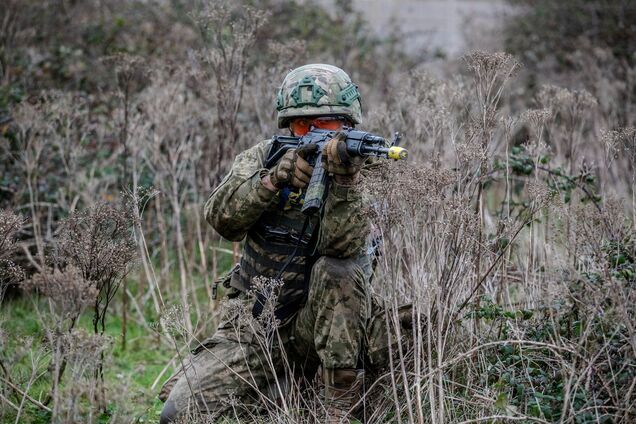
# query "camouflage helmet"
(317, 90)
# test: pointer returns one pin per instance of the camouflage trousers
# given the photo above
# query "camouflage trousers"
(237, 367)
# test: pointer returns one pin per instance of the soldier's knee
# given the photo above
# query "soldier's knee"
(333, 272)
(168, 413)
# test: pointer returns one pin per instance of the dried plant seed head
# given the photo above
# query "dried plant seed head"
(508, 123)
(620, 143)
(566, 102)
(480, 60)
(399, 189)
(536, 118)
(470, 151)
(131, 71)
(137, 201)
(10, 224)
(541, 194)
(491, 65)
(67, 289)
(10, 272)
(265, 291)
(99, 242)
(173, 320)
(84, 350)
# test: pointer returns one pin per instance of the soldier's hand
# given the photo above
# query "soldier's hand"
(337, 161)
(292, 169)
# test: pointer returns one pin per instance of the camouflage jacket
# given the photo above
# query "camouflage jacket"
(240, 205)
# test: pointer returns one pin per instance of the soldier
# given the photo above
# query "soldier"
(324, 304)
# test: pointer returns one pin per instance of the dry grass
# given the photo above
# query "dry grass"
(510, 232)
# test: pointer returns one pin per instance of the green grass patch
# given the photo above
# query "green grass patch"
(129, 373)
(128, 376)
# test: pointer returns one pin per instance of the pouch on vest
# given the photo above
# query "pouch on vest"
(221, 285)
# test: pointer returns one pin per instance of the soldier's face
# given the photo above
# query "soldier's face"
(301, 126)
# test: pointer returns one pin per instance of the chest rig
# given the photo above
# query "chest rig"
(278, 241)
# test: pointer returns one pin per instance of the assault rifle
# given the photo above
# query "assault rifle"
(359, 143)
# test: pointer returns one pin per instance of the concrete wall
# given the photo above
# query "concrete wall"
(434, 24)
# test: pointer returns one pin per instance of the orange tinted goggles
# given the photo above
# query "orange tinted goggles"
(301, 127)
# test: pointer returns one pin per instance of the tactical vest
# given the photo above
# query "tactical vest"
(271, 242)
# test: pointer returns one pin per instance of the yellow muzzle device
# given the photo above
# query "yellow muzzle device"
(397, 153)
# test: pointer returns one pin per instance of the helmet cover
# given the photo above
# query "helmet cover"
(317, 90)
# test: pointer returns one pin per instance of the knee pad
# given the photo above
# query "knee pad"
(334, 270)
(168, 413)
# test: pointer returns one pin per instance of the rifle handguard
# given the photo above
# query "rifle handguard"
(316, 188)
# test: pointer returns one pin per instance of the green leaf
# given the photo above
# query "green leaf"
(567, 197)
(502, 401)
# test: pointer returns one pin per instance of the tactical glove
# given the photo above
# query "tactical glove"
(292, 169)
(337, 161)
